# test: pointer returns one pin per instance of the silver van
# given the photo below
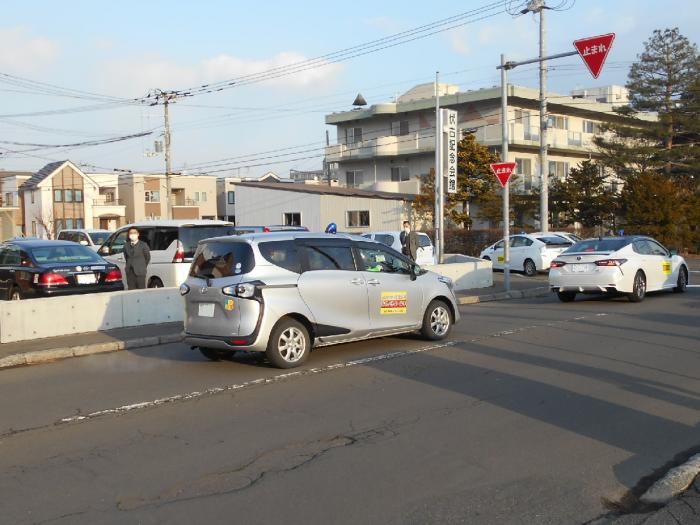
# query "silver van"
(285, 293)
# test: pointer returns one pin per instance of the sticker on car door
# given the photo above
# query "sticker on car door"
(666, 265)
(393, 303)
(229, 304)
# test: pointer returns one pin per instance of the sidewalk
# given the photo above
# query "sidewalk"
(53, 348)
(520, 287)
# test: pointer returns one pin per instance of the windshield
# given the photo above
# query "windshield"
(222, 259)
(191, 235)
(598, 245)
(66, 254)
(99, 238)
(554, 240)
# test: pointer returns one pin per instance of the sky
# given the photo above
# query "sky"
(124, 49)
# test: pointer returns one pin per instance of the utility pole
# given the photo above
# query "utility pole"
(326, 167)
(506, 187)
(438, 171)
(168, 158)
(544, 167)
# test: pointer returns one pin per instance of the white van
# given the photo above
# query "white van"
(172, 245)
(426, 252)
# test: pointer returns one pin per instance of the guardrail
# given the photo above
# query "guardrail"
(76, 314)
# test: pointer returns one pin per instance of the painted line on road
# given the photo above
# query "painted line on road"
(292, 375)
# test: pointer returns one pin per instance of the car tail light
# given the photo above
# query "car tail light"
(266, 229)
(179, 253)
(611, 262)
(557, 264)
(52, 279)
(113, 276)
(240, 342)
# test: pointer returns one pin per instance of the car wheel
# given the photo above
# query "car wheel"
(211, 353)
(566, 297)
(682, 282)
(155, 282)
(639, 288)
(289, 344)
(530, 268)
(15, 294)
(437, 321)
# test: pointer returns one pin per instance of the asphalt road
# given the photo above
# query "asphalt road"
(534, 412)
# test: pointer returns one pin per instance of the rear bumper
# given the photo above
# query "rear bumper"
(230, 343)
(603, 280)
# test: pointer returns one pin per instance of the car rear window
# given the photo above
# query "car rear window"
(554, 240)
(99, 238)
(320, 257)
(65, 254)
(222, 259)
(598, 245)
(424, 241)
(281, 253)
(191, 235)
(384, 239)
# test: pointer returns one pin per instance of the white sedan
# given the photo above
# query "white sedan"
(631, 265)
(528, 253)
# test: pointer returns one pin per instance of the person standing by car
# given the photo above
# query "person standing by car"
(137, 255)
(409, 241)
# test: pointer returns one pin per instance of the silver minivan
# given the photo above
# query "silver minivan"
(288, 292)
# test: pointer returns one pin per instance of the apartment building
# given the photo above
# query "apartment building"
(145, 196)
(11, 215)
(388, 146)
(226, 192)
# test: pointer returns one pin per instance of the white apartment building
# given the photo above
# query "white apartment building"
(388, 146)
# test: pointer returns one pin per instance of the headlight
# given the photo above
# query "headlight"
(447, 281)
(184, 289)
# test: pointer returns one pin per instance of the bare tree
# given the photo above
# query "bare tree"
(47, 222)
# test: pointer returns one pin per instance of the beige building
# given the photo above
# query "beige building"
(226, 192)
(144, 196)
(11, 214)
(388, 146)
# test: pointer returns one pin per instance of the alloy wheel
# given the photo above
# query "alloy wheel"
(291, 344)
(440, 321)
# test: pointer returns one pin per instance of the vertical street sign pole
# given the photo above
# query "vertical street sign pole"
(544, 120)
(506, 186)
(438, 170)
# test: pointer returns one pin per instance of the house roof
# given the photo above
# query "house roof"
(4, 173)
(43, 173)
(321, 189)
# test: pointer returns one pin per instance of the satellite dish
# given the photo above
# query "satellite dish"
(359, 101)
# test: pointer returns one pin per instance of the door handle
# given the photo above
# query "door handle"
(357, 281)
(373, 281)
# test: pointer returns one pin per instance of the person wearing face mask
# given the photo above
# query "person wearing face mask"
(409, 241)
(137, 256)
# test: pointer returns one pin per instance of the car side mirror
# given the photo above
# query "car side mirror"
(412, 272)
(104, 250)
(83, 243)
(674, 252)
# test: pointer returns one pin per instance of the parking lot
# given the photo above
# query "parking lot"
(533, 412)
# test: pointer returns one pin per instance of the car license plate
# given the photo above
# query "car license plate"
(86, 278)
(206, 309)
(580, 268)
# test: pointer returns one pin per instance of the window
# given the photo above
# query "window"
(162, 238)
(524, 169)
(292, 218)
(116, 244)
(520, 242)
(32, 196)
(353, 178)
(358, 219)
(498, 245)
(384, 238)
(80, 223)
(399, 174)
(58, 225)
(73, 253)
(10, 256)
(353, 135)
(58, 195)
(33, 228)
(591, 127)
(281, 253)
(574, 138)
(69, 224)
(204, 196)
(558, 169)
(190, 236)
(558, 122)
(222, 259)
(657, 249)
(322, 257)
(196, 196)
(375, 259)
(399, 128)
(67, 195)
(424, 241)
(231, 197)
(8, 199)
(78, 195)
(152, 196)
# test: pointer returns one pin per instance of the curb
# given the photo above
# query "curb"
(54, 354)
(673, 483)
(540, 291)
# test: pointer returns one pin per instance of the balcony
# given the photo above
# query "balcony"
(107, 205)
(388, 146)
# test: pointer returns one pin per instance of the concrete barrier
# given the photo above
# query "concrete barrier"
(466, 272)
(76, 314)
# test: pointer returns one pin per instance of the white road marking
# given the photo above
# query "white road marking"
(299, 373)
(692, 285)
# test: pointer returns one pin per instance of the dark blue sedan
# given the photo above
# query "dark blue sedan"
(38, 268)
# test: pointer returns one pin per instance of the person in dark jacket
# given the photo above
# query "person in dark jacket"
(409, 241)
(137, 256)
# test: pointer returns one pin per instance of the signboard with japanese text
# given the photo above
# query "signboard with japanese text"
(594, 50)
(450, 120)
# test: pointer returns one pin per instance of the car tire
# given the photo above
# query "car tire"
(15, 294)
(530, 268)
(639, 288)
(437, 321)
(682, 282)
(289, 344)
(566, 297)
(155, 282)
(211, 353)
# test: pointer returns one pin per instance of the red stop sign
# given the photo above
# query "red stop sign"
(594, 50)
(503, 171)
